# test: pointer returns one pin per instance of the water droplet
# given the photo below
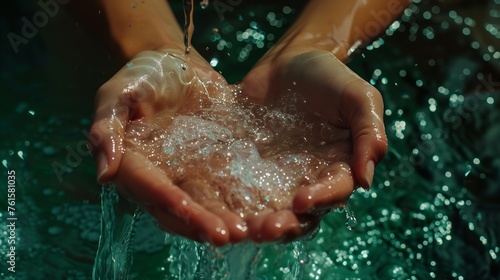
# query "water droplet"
(351, 221)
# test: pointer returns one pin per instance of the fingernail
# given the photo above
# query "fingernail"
(370, 169)
(102, 166)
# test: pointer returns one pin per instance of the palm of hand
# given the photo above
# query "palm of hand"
(187, 203)
(243, 163)
(183, 200)
(156, 84)
(352, 107)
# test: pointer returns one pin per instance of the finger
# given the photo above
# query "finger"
(368, 130)
(147, 185)
(206, 197)
(336, 92)
(106, 135)
(335, 185)
(280, 225)
(255, 223)
(236, 226)
(169, 223)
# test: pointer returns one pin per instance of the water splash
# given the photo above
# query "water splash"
(114, 254)
(123, 233)
(254, 157)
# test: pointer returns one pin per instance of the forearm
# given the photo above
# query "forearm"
(340, 26)
(132, 26)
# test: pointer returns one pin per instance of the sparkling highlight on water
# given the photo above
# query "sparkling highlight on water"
(254, 157)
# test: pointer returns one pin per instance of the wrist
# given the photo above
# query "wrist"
(339, 27)
(285, 51)
(135, 27)
(135, 40)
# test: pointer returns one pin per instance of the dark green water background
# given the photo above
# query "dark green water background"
(433, 211)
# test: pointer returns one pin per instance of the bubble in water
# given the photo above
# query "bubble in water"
(263, 136)
(259, 111)
(246, 149)
(220, 159)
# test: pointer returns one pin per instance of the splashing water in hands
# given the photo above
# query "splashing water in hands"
(211, 164)
(250, 159)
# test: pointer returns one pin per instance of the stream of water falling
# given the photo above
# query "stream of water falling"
(122, 234)
(188, 23)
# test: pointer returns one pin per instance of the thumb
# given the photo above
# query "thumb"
(363, 110)
(335, 91)
(106, 137)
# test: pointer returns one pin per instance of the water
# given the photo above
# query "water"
(188, 259)
(410, 229)
(432, 211)
(253, 157)
(350, 219)
(188, 6)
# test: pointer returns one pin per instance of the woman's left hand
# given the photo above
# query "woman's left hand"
(349, 103)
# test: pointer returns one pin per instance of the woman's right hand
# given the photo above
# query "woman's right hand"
(158, 83)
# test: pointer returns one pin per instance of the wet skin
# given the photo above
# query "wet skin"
(154, 84)
(304, 61)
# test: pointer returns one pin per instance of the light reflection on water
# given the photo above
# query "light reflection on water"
(432, 212)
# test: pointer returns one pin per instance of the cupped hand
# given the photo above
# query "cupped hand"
(138, 103)
(157, 83)
(352, 106)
